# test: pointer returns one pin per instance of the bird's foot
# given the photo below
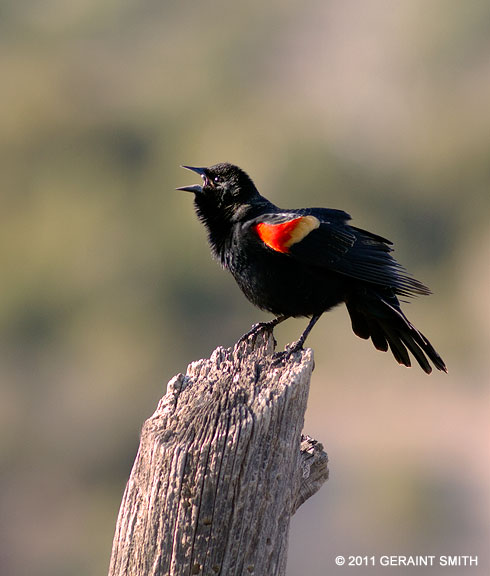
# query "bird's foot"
(298, 345)
(288, 351)
(294, 347)
(263, 326)
(257, 328)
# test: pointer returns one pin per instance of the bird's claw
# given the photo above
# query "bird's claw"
(288, 351)
(294, 347)
(256, 328)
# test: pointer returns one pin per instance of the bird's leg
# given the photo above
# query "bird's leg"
(295, 346)
(268, 326)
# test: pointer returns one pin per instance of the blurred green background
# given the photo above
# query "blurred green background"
(108, 289)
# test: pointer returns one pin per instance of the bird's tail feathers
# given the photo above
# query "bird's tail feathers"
(388, 327)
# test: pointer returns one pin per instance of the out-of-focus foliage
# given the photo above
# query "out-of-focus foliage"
(378, 108)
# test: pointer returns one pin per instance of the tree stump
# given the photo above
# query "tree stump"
(221, 467)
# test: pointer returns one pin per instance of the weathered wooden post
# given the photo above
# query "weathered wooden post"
(221, 467)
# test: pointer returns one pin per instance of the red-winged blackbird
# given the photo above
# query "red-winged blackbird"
(302, 262)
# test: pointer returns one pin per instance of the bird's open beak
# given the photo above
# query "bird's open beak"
(196, 188)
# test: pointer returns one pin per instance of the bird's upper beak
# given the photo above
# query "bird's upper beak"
(195, 188)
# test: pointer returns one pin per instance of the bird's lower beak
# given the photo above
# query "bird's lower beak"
(196, 188)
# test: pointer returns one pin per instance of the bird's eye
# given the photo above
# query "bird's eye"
(217, 179)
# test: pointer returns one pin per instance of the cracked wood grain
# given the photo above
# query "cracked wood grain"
(221, 467)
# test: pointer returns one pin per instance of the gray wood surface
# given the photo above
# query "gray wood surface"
(221, 467)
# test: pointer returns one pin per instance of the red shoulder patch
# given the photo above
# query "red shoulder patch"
(280, 237)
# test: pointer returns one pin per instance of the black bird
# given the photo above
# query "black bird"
(302, 262)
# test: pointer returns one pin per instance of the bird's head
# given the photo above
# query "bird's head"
(226, 192)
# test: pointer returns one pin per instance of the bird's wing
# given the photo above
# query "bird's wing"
(283, 231)
(322, 238)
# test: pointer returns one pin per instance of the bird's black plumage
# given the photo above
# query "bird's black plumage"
(302, 262)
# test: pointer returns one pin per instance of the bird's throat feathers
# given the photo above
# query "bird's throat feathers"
(218, 220)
